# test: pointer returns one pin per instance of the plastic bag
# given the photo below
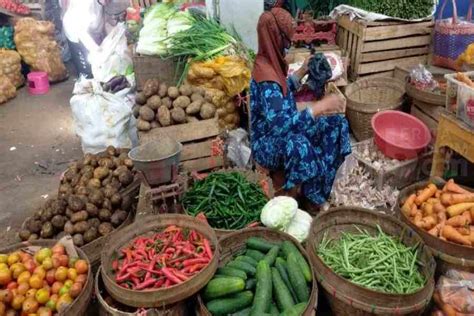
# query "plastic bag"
(10, 66)
(7, 89)
(35, 42)
(113, 57)
(423, 79)
(456, 289)
(238, 148)
(102, 119)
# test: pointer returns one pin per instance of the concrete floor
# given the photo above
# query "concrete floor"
(37, 142)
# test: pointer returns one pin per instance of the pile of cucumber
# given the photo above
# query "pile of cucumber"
(264, 279)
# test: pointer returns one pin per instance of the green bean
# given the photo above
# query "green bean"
(379, 262)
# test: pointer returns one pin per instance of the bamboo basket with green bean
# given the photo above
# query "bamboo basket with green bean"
(378, 262)
(228, 200)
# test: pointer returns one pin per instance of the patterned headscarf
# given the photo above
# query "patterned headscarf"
(275, 30)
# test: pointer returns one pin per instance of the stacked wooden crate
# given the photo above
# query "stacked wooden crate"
(201, 145)
(376, 48)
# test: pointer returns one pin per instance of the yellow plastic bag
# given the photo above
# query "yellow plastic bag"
(228, 73)
(10, 66)
(467, 58)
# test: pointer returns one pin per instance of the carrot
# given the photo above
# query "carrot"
(457, 209)
(451, 234)
(406, 208)
(414, 210)
(438, 193)
(439, 208)
(427, 208)
(435, 230)
(464, 231)
(471, 236)
(432, 201)
(426, 194)
(460, 220)
(455, 198)
(454, 188)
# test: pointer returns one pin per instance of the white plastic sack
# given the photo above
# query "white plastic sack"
(354, 13)
(102, 119)
(113, 57)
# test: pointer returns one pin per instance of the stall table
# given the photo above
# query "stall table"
(453, 134)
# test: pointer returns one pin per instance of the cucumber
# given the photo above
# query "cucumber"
(298, 283)
(223, 286)
(255, 254)
(244, 266)
(232, 272)
(280, 264)
(259, 244)
(244, 312)
(288, 247)
(231, 304)
(263, 292)
(271, 255)
(274, 310)
(296, 310)
(249, 260)
(250, 284)
(280, 292)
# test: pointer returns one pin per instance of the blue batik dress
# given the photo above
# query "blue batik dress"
(310, 150)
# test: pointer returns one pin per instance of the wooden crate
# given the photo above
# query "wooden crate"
(376, 48)
(198, 140)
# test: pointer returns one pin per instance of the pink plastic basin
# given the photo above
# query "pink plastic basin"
(399, 135)
(38, 82)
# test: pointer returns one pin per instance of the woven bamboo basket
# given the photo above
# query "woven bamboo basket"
(347, 298)
(80, 303)
(428, 97)
(160, 298)
(251, 176)
(366, 97)
(448, 255)
(234, 243)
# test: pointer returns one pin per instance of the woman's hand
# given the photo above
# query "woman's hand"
(303, 71)
(330, 104)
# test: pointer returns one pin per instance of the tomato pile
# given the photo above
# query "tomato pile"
(41, 284)
(164, 259)
(15, 7)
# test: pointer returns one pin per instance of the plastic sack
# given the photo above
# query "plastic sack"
(35, 42)
(113, 57)
(238, 148)
(227, 73)
(102, 119)
(7, 89)
(10, 67)
(456, 290)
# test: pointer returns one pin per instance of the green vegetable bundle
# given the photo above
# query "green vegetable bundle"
(6, 37)
(264, 278)
(409, 10)
(381, 262)
(227, 199)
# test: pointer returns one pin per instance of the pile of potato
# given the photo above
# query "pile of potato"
(89, 203)
(159, 105)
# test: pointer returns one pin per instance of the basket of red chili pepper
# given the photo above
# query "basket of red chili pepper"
(159, 260)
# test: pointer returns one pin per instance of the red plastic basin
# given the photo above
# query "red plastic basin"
(399, 135)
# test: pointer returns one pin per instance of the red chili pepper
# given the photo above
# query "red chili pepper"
(167, 283)
(207, 247)
(122, 277)
(135, 280)
(150, 266)
(169, 274)
(171, 228)
(197, 267)
(145, 284)
(159, 283)
(178, 259)
(115, 265)
(190, 252)
(254, 224)
(191, 262)
(202, 217)
(180, 275)
(128, 254)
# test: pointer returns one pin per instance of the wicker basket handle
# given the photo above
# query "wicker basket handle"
(455, 11)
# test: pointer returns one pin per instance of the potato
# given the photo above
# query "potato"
(199, 90)
(230, 107)
(75, 180)
(47, 230)
(94, 162)
(75, 203)
(146, 113)
(87, 160)
(58, 221)
(115, 183)
(128, 162)
(164, 116)
(116, 199)
(33, 237)
(81, 227)
(126, 203)
(108, 191)
(58, 207)
(96, 197)
(208, 111)
(69, 174)
(140, 98)
(100, 173)
(151, 87)
(91, 209)
(104, 215)
(87, 169)
(24, 234)
(191, 119)
(221, 113)
(185, 90)
(79, 217)
(105, 229)
(118, 218)
(154, 124)
(125, 178)
(106, 162)
(229, 118)
(91, 234)
(78, 240)
(196, 97)
(107, 204)
(178, 115)
(69, 228)
(93, 222)
(194, 107)
(181, 102)
(163, 90)
(94, 184)
(143, 126)
(154, 102)
(173, 92)
(167, 102)
(65, 188)
(111, 151)
(46, 215)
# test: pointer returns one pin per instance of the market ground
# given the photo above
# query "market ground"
(37, 141)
